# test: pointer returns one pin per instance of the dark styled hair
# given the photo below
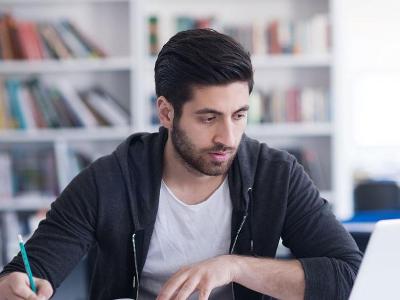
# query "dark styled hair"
(199, 57)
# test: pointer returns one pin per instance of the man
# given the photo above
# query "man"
(198, 209)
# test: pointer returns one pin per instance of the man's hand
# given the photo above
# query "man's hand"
(16, 286)
(202, 277)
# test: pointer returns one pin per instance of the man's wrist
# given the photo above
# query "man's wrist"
(234, 266)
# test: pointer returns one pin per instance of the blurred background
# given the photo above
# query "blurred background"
(76, 78)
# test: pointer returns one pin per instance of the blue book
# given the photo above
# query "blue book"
(13, 87)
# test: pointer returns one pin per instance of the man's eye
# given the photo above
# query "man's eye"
(240, 116)
(207, 119)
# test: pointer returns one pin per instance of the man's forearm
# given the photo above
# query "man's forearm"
(283, 279)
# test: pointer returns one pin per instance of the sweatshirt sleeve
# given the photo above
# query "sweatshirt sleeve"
(65, 235)
(327, 252)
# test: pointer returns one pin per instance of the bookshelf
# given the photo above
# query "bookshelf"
(275, 73)
(121, 28)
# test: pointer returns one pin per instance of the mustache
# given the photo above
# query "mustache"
(221, 148)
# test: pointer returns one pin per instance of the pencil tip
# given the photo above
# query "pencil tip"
(20, 238)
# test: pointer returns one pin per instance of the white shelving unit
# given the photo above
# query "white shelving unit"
(120, 27)
(292, 61)
(63, 66)
(271, 71)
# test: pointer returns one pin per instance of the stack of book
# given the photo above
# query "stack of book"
(187, 22)
(31, 104)
(25, 175)
(45, 40)
(309, 36)
(291, 105)
(306, 36)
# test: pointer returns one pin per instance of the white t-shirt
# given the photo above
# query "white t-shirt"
(186, 234)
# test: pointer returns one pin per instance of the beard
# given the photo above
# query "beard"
(199, 159)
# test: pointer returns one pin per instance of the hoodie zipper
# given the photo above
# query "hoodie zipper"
(136, 275)
(234, 244)
(249, 191)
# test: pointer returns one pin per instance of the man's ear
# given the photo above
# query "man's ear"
(165, 112)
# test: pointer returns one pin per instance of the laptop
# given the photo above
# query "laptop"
(379, 273)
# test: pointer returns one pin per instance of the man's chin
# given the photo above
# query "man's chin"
(216, 169)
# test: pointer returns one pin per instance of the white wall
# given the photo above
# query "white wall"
(367, 79)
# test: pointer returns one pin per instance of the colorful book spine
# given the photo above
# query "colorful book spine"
(153, 36)
(292, 105)
(13, 87)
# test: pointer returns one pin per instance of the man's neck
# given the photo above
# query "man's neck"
(188, 184)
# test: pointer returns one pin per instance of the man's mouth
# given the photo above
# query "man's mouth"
(219, 156)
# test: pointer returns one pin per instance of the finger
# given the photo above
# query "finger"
(187, 288)
(14, 297)
(171, 286)
(35, 297)
(21, 289)
(44, 288)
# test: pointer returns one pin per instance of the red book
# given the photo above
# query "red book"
(24, 40)
(34, 38)
(291, 105)
(273, 38)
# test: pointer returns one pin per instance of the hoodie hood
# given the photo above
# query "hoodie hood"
(140, 158)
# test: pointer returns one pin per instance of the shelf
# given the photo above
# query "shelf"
(279, 61)
(26, 203)
(290, 130)
(291, 61)
(70, 134)
(67, 65)
(28, 2)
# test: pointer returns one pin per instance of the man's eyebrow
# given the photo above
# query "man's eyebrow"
(244, 108)
(208, 111)
(213, 111)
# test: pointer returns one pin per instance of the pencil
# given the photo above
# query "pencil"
(26, 263)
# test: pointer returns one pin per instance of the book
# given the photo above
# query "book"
(54, 41)
(28, 41)
(90, 45)
(184, 22)
(40, 94)
(34, 106)
(66, 116)
(33, 173)
(75, 102)
(27, 109)
(294, 105)
(5, 120)
(14, 43)
(154, 47)
(75, 46)
(5, 40)
(13, 90)
(106, 106)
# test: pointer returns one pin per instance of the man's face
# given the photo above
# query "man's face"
(208, 133)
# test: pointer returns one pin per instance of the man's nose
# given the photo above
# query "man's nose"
(226, 134)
